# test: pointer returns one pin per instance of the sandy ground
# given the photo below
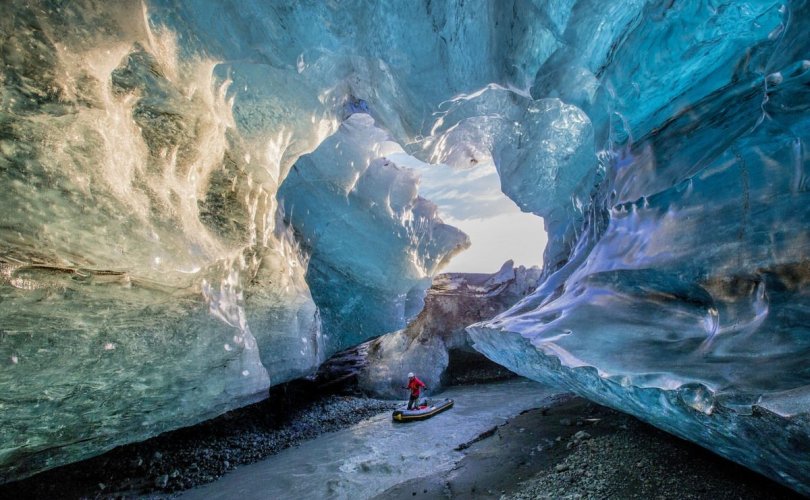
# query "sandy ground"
(574, 449)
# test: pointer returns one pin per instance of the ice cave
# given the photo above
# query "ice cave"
(205, 199)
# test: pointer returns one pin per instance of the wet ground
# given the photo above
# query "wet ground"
(187, 457)
(574, 449)
(514, 439)
(372, 456)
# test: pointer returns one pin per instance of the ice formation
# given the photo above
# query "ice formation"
(151, 276)
(435, 344)
(373, 242)
(682, 298)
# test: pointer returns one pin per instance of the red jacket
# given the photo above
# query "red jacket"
(414, 385)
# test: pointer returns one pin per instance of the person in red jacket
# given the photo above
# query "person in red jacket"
(415, 385)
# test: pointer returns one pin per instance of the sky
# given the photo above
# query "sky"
(516, 235)
(471, 199)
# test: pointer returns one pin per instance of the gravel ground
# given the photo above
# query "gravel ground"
(643, 464)
(187, 457)
(574, 449)
(570, 449)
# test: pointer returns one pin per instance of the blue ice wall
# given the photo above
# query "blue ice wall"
(151, 276)
(373, 243)
(683, 296)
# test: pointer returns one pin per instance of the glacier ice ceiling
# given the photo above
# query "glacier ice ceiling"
(206, 198)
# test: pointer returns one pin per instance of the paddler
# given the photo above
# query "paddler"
(415, 385)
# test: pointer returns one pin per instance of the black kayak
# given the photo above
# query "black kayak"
(424, 411)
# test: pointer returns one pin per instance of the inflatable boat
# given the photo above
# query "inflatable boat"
(426, 409)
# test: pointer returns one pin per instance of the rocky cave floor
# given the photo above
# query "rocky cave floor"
(181, 459)
(570, 449)
(575, 449)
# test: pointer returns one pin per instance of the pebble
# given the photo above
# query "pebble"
(581, 436)
(162, 481)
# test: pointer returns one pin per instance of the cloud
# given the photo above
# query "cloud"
(471, 200)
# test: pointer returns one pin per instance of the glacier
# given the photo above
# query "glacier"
(435, 345)
(150, 277)
(203, 199)
(682, 295)
(373, 242)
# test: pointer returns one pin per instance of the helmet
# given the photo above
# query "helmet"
(410, 375)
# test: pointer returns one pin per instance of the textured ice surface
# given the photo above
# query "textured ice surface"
(142, 285)
(373, 242)
(683, 297)
(148, 279)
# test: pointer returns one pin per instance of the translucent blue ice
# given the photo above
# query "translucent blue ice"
(372, 242)
(151, 276)
(682, 299)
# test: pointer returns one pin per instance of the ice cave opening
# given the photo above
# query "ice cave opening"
(466, 191)
(471, 199)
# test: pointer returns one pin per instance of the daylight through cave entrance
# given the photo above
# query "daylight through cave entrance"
(375, 223)
(471, 200)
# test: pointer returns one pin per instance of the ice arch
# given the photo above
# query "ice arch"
(149, 278)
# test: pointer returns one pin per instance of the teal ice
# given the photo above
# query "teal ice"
(205, 198)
